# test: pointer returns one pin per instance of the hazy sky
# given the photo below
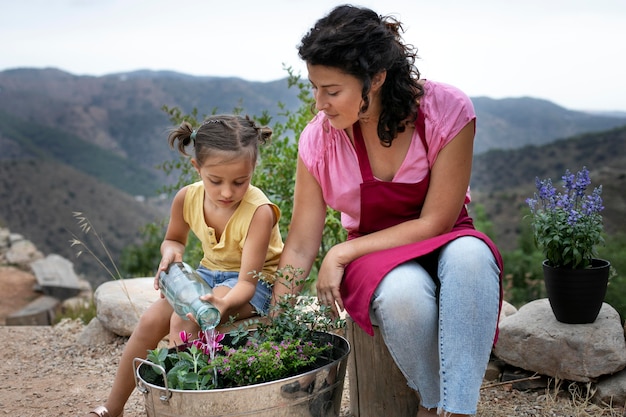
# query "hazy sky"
(571, 52)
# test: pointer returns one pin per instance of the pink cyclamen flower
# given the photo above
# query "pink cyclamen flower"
(184, 336)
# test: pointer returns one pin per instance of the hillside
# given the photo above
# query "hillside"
(114, 127)
(123, 113)
(39, 198)
(502, 180)
(79, 143)
(513, 123)
(32, 140)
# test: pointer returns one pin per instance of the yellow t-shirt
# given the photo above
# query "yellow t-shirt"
(225, 255)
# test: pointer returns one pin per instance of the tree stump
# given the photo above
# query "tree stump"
(377, 387)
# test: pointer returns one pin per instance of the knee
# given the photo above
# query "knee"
(469, 255)
(399, 282)
(407, 290)
(154, 321)
(148, 320)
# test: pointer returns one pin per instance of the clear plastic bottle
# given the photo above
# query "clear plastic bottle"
(182, 287)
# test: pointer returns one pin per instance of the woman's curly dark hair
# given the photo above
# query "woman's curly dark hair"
(361, 43)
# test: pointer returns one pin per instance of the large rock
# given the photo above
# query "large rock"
(120, 303)
(56, 277)
(532, 339)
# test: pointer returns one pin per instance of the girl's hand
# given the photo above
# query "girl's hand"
(328, 281)
(168, 258)
(218, 302)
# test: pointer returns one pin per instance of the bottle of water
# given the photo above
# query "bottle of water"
(182, 286)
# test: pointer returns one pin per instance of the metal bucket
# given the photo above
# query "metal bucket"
(316, 393)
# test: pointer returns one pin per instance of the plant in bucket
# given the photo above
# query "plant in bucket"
(289, 363)
(567, 227)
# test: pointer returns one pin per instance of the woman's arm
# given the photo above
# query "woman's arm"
(306, 226)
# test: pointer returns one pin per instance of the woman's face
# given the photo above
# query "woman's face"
(337, 94)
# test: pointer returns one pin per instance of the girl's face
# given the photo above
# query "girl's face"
(225, 180)
(337, 94)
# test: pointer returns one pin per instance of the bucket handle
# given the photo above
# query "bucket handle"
(139, 382)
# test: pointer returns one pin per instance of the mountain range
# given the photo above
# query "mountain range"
(94, 145)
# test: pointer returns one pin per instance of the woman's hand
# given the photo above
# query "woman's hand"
(329, 279)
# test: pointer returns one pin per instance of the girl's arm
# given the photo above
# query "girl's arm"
(252, 259)
(449, 180)
(173, 245)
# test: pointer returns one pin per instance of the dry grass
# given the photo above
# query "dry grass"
(558, 399)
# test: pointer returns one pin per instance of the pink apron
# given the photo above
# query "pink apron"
(385, 204)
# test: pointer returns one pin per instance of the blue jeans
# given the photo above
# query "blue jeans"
(440, 334)
(261, 298)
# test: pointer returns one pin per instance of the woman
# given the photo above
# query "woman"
(393, 154)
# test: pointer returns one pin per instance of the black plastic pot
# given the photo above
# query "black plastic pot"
(576, 295)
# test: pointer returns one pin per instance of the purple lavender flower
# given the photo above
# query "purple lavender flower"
(582, 181)
(567, 224)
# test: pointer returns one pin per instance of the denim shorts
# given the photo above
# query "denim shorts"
(261, 298)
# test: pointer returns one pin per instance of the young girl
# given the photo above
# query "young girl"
(237, 226)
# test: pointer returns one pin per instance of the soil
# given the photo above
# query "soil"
(49, 372)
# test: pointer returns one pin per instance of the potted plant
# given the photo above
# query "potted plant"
(288, 363)
(567, 227)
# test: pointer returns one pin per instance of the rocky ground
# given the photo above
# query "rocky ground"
(47, 371)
